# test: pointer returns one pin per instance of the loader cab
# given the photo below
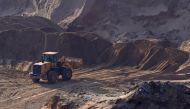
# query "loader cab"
(51, 57)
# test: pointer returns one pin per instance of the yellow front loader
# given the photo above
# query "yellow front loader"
(52, 66)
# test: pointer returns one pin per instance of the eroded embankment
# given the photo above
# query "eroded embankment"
(146, 55)
(25, 38)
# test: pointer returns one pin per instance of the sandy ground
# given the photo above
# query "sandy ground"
(93, 87)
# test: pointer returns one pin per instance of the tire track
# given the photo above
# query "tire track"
(21, 100)
(18, 90)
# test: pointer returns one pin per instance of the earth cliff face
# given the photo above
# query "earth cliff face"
(25, 38)
(112, 19)
(118, 19)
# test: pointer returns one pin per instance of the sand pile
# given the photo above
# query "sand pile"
(146, 55)
(167, 59)
(156, 95)
(185, 46)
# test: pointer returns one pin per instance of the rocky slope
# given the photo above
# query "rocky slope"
(156, 95)
(113, 19)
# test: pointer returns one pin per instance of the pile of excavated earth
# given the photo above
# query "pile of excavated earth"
(146, 54)
(147, 95)
(156, 95)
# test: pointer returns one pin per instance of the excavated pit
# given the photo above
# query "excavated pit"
(117, 66)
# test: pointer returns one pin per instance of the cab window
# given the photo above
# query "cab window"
(50, 58)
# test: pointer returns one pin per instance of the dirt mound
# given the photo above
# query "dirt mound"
(87, 46)
(168, 59)
(25, 38)
(185, 46)
(58, 102)
(28, 44)
(146, 54)
(19, 23)
(156, 95)
(23, 44)
(22, 38)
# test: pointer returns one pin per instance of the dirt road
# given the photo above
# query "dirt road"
(94, 87)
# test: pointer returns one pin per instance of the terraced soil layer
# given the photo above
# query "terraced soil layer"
(146, 55)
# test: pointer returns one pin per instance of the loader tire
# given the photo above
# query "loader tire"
(36, 80)
(52, 77)
(67, 75)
